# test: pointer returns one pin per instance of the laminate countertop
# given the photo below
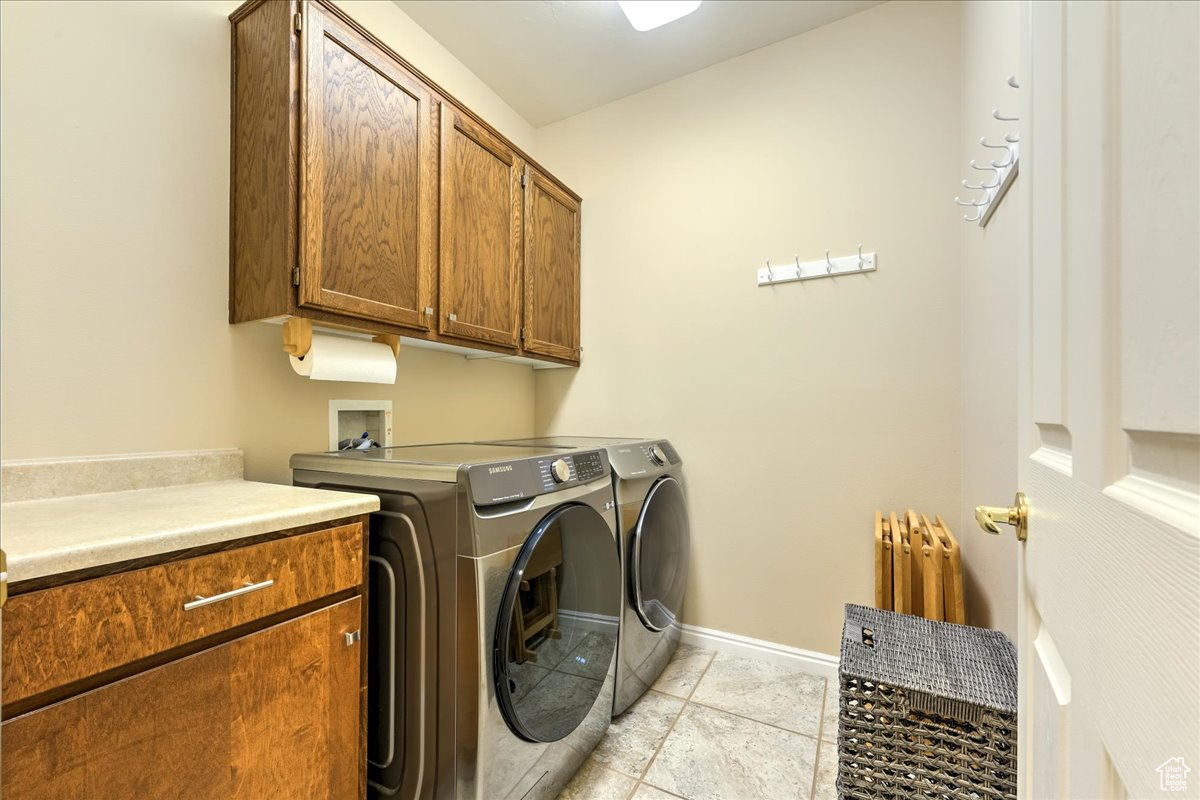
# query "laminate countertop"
(45, 536)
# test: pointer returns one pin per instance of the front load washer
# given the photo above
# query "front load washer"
(655, 544)
(537, 596)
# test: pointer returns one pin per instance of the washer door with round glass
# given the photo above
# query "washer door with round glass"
(659, 549)
(557, 630)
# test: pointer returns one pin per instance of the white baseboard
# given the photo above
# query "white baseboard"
(821, 664)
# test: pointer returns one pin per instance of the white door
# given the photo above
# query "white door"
(1109, 390)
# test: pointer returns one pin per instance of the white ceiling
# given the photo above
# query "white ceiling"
(551, 59)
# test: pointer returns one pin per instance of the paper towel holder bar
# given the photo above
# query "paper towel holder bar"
(297, 338)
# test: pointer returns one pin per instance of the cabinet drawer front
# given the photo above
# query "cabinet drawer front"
(272, 714)
(60, 635)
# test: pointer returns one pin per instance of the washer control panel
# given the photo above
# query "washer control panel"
(510, 481)
(643, 459)
(571, 469)
(590, 466)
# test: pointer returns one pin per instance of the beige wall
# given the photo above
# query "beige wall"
(798, 409)
(114, 124)
(991, 52)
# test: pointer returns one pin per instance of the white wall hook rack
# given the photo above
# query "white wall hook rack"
(826, 267)
(999, 174)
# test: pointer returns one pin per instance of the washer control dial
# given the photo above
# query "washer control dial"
(560, 471)
(657, 455)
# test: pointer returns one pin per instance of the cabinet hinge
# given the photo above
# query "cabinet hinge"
(522, 334)
(296, 276)
(522, 180)
(298, 22)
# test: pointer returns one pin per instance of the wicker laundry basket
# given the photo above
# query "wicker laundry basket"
(927, 709)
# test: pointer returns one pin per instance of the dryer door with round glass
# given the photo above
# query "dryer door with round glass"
(659, 548)
(557, 630)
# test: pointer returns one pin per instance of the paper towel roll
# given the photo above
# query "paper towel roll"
(340, 358)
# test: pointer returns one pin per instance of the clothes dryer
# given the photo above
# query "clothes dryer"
(655, 545)
(536, 607)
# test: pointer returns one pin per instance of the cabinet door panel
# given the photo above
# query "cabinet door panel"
(370, 172)
(273, 714)
(480, 233)
(551, 269)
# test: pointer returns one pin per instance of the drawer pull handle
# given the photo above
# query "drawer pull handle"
(216, 598)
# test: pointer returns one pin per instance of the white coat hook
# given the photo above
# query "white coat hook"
(860, 258)
(1012, 138)
(978, 214)
(976, 203)
(1007, 151)
(799, 269)
(770, 272)
(1012, 81)
(998, 116)
(995, 180)
(828, 264)
(988, 168)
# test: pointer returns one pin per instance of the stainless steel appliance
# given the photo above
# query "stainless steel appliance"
(655, 544)
(518, 682)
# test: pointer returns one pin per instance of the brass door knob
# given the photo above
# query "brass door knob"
(989, 517)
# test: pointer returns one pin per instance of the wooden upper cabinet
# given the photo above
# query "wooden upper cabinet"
(551, 269)
(369, 173)
(480, 233)
(364, 196)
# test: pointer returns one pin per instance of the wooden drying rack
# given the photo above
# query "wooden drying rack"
(918, 567)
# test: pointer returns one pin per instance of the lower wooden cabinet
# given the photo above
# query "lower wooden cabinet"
(274, 714)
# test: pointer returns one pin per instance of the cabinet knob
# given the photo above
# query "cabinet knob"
(352, 637)
(453, 317)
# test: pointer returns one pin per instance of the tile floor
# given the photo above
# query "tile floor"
(718, 726)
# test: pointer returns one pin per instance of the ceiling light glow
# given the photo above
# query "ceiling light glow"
(646, 15)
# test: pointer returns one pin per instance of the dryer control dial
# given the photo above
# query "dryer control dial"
(560, 471)
(657, 455)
